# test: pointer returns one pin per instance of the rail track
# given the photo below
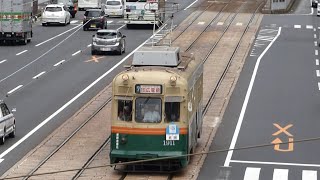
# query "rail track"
(191, 47)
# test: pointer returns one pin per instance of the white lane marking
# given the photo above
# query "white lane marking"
(316, 52)
(239, 24)
(89, 45)
(280, 174)
(314, 35)
(121, 27)
(318, 73)
(276, 163)
(201, 23)
(311, 10)
(37, 76)
(60, 62)
(315, 43)
(297, 26)
(40, 56)
(309, 175)
(319, 90)
(245, 103)
(109, 22)
(76, 53)
(73, 21)
(190, 5)
(3, 61)
(220, 23)
(13, 90)
(314, 29)
(74, 98)
(1, 160)
(309, 26)
(252, 173)
(21, 52)
(58, 35)
(317, 62)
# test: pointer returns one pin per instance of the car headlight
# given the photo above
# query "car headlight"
(94, 43)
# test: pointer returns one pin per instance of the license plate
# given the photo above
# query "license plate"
(93, 25)
(105, 49)
(113, 13)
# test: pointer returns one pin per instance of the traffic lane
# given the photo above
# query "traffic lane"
(18, 59)
(284, 102)
(43, 97)
(70, 50)
(291, 20)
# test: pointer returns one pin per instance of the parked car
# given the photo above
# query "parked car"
(94, 18)
(114, 7)
(72, 8)
(7, 123)
(318, 10)
(56, 14)
(108, 40)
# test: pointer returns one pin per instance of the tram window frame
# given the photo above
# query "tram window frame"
(122, 115)
(142, 104)
(172, 107)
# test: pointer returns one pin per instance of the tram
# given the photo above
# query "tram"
(157, 108)
(144, 12)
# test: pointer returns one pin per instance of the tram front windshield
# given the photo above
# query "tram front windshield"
(148, 110)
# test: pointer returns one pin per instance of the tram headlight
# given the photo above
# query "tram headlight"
(125, 78)
(173, 80)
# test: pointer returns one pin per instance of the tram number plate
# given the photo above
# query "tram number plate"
(168, 143)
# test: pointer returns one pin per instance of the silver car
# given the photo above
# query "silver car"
(108, 40)
(7, 123)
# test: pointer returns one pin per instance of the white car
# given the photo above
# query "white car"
(56, 14)
(114, 7)
(318, 10)
(7, 123)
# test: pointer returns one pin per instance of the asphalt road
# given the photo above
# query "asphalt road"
(42, 99)
(275, 100)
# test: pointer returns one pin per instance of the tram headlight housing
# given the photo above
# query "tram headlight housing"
(125, 78)
(173, 80)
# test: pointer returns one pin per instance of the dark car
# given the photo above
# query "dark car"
(94, 18)
(108, 40)
(72, 8)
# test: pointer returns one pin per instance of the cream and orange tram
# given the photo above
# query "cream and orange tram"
(157, 108)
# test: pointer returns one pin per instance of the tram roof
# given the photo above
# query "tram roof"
(157, 56)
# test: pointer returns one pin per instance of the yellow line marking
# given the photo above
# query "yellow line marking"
(277, 142)
(284, 130)
(94, 58)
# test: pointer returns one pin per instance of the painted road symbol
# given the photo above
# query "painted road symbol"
(94, 58)
(282, 130)
(277, 142)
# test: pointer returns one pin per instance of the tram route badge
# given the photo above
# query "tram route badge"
(172, 132)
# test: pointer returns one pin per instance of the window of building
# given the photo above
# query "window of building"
(125, 110)
(148, 110)
(172, 111)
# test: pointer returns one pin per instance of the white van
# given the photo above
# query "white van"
(7, 123)
(114, 7)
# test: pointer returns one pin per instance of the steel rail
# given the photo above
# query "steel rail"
(66, 140)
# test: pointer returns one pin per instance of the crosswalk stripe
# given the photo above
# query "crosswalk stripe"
(280, 174)
(309, 175)
(252, 173)
(297, 26)
(109, 21)
(309, 27)
(220, 23)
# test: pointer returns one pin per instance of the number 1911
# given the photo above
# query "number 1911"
(168, 143)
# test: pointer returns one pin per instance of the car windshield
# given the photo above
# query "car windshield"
(53, 9)
(107, 35)
(113, 3)
(148, 110)
(93, 13)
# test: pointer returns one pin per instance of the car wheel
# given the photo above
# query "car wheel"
(65, 22)
(85, 29)
(93, 52)
(44, 24)
(25, 40)
(3, 138)
(73, 15)
(13, 133)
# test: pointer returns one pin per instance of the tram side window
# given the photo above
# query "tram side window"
(172, 111)
(125, 110)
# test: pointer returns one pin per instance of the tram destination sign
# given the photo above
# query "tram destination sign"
(148, 89)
